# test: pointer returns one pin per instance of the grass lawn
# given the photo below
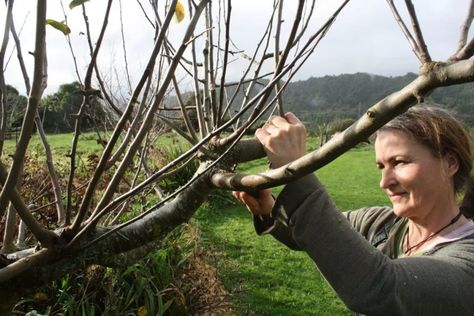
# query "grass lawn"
(266, 278)
(61, 144)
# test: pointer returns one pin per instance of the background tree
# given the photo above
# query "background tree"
(85, 234)
(58, 109)
(16, 105)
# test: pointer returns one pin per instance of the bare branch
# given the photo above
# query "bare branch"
(310, 45)
(465, 51)
(220, 105)
(41, 133)
(68, 39)
(466, 26)
(184, 113)
(8, 244)
(52, 172)
(3, 90)
(175, 128)
(33, 102)
(249, 90)
(145, 14)
(281, 112)
(197, 101)
(85, 103)
(118, 129)
(405, 31)
(124, 49)
(210, 80)
(422, 49)
(14, 269)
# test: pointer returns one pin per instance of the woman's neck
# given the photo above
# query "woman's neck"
(421, 230)
(429, 221)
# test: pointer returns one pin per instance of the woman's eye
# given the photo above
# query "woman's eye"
(399, 162)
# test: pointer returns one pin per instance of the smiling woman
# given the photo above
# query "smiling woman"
(384, 260)
(425, 159)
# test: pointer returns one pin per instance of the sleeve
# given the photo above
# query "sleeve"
(277, 223)
(365, 279)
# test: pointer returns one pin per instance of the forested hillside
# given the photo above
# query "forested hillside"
(323, 99)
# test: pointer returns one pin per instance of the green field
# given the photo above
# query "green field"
(263, 276)
(61, 143)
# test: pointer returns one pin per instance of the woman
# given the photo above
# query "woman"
(416, 258)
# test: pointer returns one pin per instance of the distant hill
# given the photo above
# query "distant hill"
(324, 99)
(348, 96)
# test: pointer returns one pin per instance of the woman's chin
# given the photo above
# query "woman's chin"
(401, 211)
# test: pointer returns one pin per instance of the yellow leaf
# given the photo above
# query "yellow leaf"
(178, 12)
(40, 297)
(141, 311)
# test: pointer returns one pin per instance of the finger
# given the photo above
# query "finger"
(262, 135)
(236, 195)
(252, 203)
(272, 130)
(278, 121)
(292, 119)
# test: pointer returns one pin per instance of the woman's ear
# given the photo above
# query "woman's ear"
(452, 163)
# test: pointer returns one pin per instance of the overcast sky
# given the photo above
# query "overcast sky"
(365, 38)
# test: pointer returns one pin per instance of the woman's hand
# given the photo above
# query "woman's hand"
(283, 138)
(261, 205)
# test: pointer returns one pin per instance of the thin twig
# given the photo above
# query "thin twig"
(85, 103)
(405, 30)
(224, 63)
(184, 112)
(210, 81)
(3, 89)
(279, 22)
(71, 50)
(311, 42)
(265, 38)
(466, 26)
(33, 103)
(124, 49)
(39, 125)
(197, 100)
(423, 50)
(145, 14)
(283, 57)
(465, 51)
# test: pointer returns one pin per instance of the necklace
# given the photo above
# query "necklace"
(410, 248)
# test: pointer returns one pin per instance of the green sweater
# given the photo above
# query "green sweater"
(357, 256)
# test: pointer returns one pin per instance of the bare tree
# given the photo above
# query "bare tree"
(83, 234)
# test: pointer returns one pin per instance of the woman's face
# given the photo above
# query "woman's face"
(414, 179)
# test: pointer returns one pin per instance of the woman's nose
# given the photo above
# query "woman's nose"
(387, 178)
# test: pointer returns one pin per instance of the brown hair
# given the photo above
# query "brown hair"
(441, 133)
